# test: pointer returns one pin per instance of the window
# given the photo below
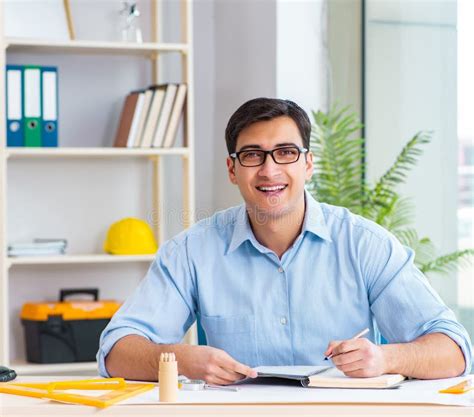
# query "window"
(418, 74)
(465, 147)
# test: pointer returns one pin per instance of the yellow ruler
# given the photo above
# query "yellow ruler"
(119, 390)
(460, 388)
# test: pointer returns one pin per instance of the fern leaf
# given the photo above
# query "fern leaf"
(338, 179)
(337, 159)
(450, 262)
(396, 174)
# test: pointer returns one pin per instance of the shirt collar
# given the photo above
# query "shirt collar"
(242, 229)
(314, 222)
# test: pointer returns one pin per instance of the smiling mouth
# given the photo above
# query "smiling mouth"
(272, 188)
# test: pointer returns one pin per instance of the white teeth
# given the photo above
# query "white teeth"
(273, 188)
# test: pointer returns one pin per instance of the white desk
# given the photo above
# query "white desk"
(11, 405)
(32, 408)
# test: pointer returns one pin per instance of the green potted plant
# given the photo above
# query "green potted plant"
(339, 179)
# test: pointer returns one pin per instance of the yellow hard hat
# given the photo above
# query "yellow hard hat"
(130, 236)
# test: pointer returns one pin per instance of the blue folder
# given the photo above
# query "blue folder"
(14, 105)
(49, 89)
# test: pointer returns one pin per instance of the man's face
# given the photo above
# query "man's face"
(271, 189)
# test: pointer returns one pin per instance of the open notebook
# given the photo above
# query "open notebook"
(327, 377)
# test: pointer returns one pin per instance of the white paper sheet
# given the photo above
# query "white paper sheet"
(291, 371)
(410, 392)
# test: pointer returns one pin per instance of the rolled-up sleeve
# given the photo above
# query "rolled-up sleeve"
(404, 303)
(161, 309)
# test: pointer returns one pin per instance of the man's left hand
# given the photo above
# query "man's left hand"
(358, 358)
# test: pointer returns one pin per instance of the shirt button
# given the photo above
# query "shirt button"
(283, 321)
(280, 269)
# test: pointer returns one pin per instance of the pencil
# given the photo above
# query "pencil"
(360, 334)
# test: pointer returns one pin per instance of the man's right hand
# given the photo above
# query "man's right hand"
(211, 365)
(135, 357)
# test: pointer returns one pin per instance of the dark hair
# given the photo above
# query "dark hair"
(263, 108)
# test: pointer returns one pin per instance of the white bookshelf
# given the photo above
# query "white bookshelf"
(17, 153)
(151, 52)
(93, 47)
(26, 368)
(77, 259)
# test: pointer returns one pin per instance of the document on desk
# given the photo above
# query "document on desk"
(326, 377)
(410, 392)
(290, 372)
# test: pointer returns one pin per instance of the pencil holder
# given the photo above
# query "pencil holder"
(168, 378)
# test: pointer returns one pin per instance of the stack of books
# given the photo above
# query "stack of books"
(150, 118)
(38, 247)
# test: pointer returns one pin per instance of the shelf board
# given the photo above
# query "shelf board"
(23, 367)
(92, 47)
(77, 259)
(91, 152)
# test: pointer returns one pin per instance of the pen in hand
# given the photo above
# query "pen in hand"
(360, 334)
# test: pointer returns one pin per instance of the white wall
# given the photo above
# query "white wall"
(344, 44)
(270, 48)
(302, 53)
(204, 87)
(245, 58)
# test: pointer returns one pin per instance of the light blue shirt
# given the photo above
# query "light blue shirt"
(343, 273)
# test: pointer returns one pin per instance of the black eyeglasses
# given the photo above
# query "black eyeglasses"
(257, 157)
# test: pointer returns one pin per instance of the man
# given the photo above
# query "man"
(283, 279)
